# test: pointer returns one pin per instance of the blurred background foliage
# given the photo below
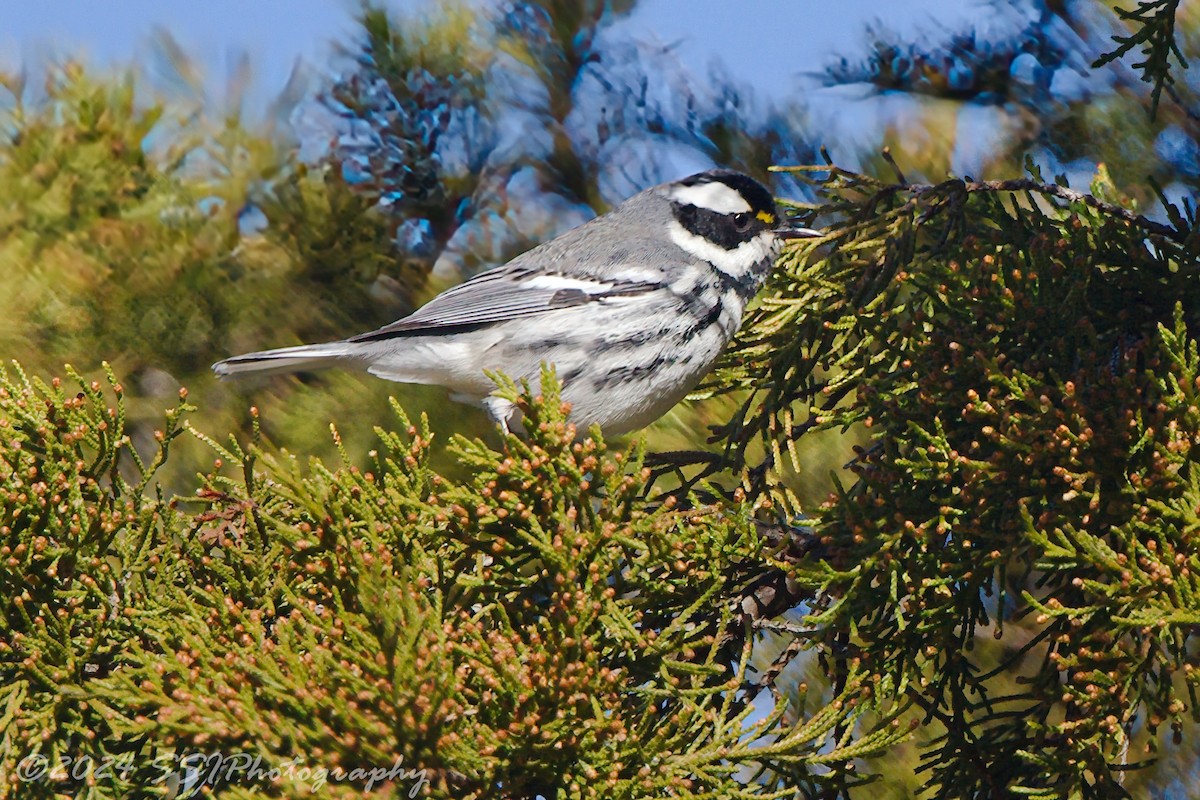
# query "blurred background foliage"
(147, 229)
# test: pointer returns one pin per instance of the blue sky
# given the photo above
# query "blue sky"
(776, 49)
(755, 39)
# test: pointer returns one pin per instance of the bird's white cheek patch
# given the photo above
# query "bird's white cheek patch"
(735, 263)
(714, 196)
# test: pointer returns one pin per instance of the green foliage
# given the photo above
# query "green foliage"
(83, 198)
(78, 518)
(536, 628)
(998, 597)
(122, 239)
(1026, 371)
(336, 240)
(1154, 32)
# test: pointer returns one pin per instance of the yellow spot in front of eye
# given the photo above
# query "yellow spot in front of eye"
(767, 217)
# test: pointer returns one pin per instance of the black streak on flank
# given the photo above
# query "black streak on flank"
(632, 340)
(570, 376)
(626, 374)
(746, 286)
(704, 323)
(713, 315)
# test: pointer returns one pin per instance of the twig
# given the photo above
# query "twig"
(1012, 185)
(1054, 190)
(772, 673)
(887, 156)
(774, 592)
(782, 627)
(970, 746)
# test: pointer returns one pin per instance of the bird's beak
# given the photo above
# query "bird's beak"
(798, 233)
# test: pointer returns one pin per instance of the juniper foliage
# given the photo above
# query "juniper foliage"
(1022, 360)
(1153, 31)
(999, 596)
(537, 629)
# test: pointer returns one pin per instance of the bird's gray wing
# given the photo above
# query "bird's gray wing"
(501, 294)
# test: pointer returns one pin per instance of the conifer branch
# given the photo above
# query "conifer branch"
(1052, 190)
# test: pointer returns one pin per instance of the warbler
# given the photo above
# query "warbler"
(632, 309)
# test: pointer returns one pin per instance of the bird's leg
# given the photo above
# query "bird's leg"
(499, 410)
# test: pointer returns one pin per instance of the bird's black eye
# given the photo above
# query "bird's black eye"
(742, 222)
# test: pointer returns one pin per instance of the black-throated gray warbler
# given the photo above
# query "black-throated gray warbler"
(631, 308)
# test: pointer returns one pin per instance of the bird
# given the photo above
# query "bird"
(631, 309)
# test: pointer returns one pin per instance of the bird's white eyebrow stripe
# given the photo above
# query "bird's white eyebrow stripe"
(714, 196)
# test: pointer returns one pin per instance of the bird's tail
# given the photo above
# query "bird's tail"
(286, 359)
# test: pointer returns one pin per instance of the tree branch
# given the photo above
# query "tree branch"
(1053, 190)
